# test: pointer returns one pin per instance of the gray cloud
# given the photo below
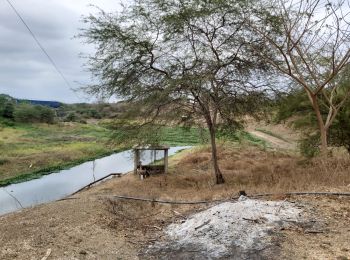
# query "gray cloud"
(25, 72)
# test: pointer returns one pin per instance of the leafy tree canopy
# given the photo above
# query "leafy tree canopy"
(178, 61)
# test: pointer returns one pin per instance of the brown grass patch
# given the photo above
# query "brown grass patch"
(249, 169)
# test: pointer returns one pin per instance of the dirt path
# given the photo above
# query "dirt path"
(274, 141)
(278, 136)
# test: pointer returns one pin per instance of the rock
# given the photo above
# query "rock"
(83, 252)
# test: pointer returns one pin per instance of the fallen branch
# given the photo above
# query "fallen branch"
(178, 214)
(159, 228)
(314, 231)
(205, 223)
(48, 253)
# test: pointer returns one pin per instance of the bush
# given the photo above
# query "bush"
(92, 113)
(6, 122)
(310, 145)
(3, 161)
(47, 115)
(8, 110)
(72, 117)
(339, 133)
(26, 113)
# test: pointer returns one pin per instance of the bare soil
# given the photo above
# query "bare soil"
(278, 136)
(93, 225)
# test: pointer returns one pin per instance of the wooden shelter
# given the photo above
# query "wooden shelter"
(146, 170)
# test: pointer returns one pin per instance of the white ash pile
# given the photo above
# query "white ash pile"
(234, 230)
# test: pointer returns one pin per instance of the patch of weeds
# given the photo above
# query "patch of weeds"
(310, 145)
(6, 123)
(3, 161)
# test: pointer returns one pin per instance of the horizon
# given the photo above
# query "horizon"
(62, 102)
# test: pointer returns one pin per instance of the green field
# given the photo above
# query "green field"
(179, 136)
(29, 151)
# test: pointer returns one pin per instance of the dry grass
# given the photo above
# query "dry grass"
(249, 169)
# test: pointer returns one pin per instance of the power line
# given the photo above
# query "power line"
(39, 44)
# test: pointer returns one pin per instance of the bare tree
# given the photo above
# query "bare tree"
(308, 42)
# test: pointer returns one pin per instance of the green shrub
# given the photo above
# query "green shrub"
(47, 115)
(93, 113)
(310, 145)
(27, 113)
(71, 117)
(8, 110)
(3, 161)
(6, 122)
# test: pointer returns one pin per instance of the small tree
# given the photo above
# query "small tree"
(308, 42)
(296, 105)
(71, 117)
(26, 113)
(182, 61)
(8, 110)
(47, 115)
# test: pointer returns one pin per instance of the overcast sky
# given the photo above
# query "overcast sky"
(25, 72)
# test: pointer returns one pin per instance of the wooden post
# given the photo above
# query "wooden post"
(166, 161)
(136, 160)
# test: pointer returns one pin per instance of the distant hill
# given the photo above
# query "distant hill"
(53, 104)
(6, 97)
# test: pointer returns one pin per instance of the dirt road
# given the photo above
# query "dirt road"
(274, 141)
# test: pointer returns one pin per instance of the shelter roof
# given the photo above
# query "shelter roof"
(151, 147)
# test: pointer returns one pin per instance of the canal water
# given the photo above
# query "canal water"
(61, 184)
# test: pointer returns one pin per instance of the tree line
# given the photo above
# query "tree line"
(24, 112)
(27, 111)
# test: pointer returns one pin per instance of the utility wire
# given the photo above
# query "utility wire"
(39, 44)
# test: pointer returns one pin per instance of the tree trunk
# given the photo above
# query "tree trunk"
(218, 175)
(324, 140)
(321, 126)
